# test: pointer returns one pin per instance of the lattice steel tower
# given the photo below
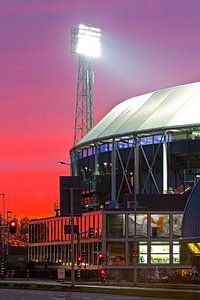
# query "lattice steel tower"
(86, 43)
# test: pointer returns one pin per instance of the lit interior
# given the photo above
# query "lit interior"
(194, 248)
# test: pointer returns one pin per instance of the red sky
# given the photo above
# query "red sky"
(147, 45)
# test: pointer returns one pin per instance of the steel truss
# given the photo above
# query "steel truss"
(84, 99)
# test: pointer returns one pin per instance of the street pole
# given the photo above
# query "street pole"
(3, 225)
(7, 221)
(72, 236)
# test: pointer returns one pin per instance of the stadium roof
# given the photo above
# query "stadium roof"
(170, 108)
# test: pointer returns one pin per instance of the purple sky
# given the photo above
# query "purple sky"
(147, 45)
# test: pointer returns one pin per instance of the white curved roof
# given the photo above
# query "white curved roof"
(164, 109)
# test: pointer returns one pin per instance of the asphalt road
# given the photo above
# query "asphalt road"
(11, 294)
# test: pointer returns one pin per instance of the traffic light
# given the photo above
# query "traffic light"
(13, 227)
(79, 260)
(91, 232)
(101, 258)
(103, 275)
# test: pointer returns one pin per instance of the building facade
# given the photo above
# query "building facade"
(132, 243)
(138, 166)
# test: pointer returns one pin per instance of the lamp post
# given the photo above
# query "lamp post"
(3, 235)
(7, 220)
(3, 206)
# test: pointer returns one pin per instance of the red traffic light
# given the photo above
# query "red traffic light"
(13, 227)
(101, 258)
(102, 273)
(100, 255)
(79, 259)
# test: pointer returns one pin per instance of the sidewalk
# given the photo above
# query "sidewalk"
(112, 284)
(151, 290)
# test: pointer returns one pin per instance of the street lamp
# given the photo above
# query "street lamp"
(65, 163)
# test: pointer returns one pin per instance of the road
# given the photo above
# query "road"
(10, 294)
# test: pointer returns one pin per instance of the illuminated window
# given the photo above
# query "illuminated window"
(176, 253)
(85, 153)
(131, 225)
(122, 145)
(103, 148)
(141, 225)
(194, 248)
(146, 140)
(160, 253)
(159, 226)
(90, 151)
(142, 253)
(177, 223)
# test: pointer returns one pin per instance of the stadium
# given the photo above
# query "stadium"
(137, 166)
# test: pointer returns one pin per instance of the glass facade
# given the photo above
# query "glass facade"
(126, 239)
(48, 243)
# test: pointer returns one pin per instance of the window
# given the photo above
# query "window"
(103, 148)
(159, 253)
(142, 253)
(115, 225)
(177, 223)
(159, 226)
(176, 253)
(131, 253)
(131, 225)
(115, 253)
(141, 225)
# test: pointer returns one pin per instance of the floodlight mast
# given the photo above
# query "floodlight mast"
(85, 42)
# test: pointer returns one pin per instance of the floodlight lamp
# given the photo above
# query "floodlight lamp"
(88, 41)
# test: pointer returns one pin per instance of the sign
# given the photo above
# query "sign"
(70, 186)
(61, 273)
